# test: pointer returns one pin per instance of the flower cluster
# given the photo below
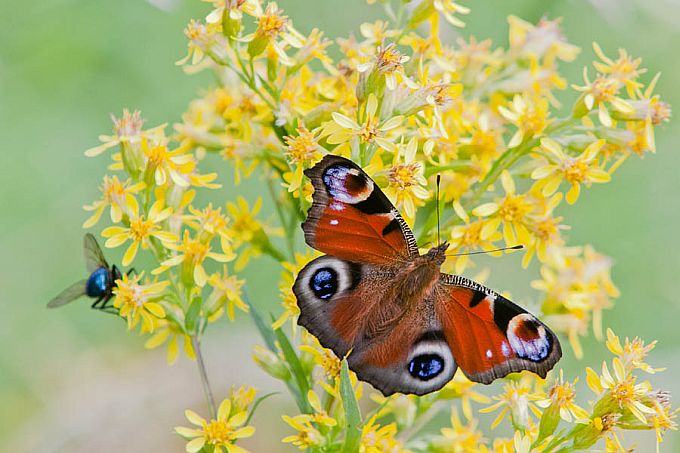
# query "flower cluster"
(411, 108)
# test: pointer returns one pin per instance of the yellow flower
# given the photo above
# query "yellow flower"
(164, 165)
(234, 9)
(246, 229)
(460, 437)
(544, 39)
(219, 434)
(625, 68)
(576, 171)
(303, 152)
(389, 63)
(448, 8)
(561, 395)
(464, 389)
(119, 196)
(191, 253)
(326, 360)
(479, 234)
(406, 180)
(632, 354)
(307, 437)
(169, 331)
(127, 131)
(621, 389)
(226, 290)
(272, 25)
(139, 302)
(601, 91)
(140, 231)
(202, 37)
(208, 223)
(529, 114)
(379, 439)
(510, 211)
(343, 129)
(518, 400)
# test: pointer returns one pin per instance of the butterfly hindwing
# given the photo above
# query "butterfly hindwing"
(351, 218)
(353, 308)
(489, 335)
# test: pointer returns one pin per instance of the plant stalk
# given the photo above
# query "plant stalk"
(195, 342)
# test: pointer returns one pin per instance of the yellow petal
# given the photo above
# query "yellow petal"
(130, 253)
(195, 445)
(224, 409)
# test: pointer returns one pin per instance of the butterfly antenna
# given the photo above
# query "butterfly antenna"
(514, 247)
(439, 178)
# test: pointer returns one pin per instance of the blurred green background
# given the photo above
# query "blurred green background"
(74, 380)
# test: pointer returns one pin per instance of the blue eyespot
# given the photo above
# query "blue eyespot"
(324, 283)
(426, 366)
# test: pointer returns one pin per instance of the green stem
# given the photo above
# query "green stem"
(282, 219)
(195, 342)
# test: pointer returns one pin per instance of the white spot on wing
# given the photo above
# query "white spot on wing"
(489, 354)
(333, 222)
(505, 349)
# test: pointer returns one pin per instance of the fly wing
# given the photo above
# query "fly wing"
(70, 294)
(94, 258)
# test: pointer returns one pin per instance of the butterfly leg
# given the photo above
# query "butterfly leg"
(131, 271)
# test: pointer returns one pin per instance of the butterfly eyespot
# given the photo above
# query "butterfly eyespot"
(528, 338)
(426, 366)
(347, 184)
(324, 283)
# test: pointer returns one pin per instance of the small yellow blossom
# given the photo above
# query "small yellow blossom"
(622, 389)
(191, 253)
(601, 91)
(226, 291)
(518, 400)
(379, 439)
(169, 331)
(448, 8)
(138, 302)
(406, 180)
(529, 114)
(220, 434)
(303, 152)
(119, 196)
(141, 230)
(343, 129)
(561, 395)
(576, 171)
(510, 211)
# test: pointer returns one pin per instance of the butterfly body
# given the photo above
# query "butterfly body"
(406, 326)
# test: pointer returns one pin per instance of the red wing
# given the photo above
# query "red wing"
(491, 336)
(352, 219)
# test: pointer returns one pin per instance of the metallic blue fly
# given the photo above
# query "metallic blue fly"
(99, 285)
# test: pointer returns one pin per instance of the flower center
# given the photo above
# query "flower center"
(513, 208)
(217, 432)
(140, 228)
(562, 395)
(624, 392)
(369, 131)
(271, 24)
(389, 59)
(302, 147)
(604, 89)
(576, 171)
(403, 175)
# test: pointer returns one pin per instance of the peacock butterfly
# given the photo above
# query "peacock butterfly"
(406, 326)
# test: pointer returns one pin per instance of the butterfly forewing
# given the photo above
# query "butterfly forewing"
(94, 258)
(70, 294)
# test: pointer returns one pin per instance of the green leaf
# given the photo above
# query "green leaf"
(257, 403)
(296, 369)
(192, 314)
(549, 421)
(264, 328)
(352, 413)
